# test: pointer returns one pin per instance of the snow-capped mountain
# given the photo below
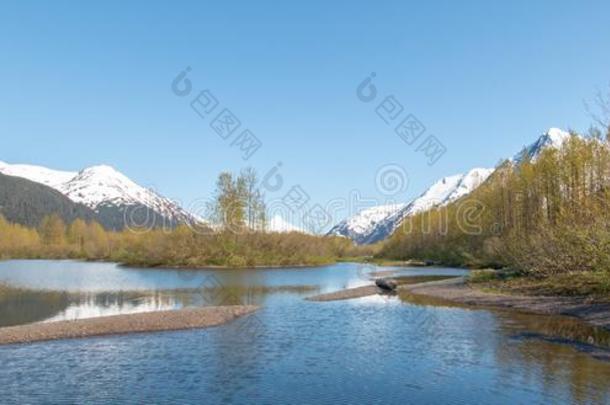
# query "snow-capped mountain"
(377, 223)
(448, 189)
(279, 224)
(119, 202)
(553, 138)
(37, 174)
(368, 225)
(114, 197)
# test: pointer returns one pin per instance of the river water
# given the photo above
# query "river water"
(379, 349)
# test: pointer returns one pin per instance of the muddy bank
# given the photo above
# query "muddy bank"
(457, 291)
(189, 318)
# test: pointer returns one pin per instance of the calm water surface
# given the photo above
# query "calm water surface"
(378, 349)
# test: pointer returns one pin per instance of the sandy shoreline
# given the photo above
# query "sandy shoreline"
(457, 291)
(188, 318)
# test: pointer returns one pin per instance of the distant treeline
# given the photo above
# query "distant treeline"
(183, 246)
(542, 217)
(237, 238)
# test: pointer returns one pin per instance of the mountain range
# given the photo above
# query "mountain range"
(378, 223)
(115, 200)
(28, 193)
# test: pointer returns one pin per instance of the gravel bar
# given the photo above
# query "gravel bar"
(188, 318)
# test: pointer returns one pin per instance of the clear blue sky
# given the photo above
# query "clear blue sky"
(85, 84)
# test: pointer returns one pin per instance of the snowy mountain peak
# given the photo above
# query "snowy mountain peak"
(557, 134)
(102, 184)
(553, 138)
(103, 170)
(368, 225)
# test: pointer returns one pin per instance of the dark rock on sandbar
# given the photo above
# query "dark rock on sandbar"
(386, 284)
